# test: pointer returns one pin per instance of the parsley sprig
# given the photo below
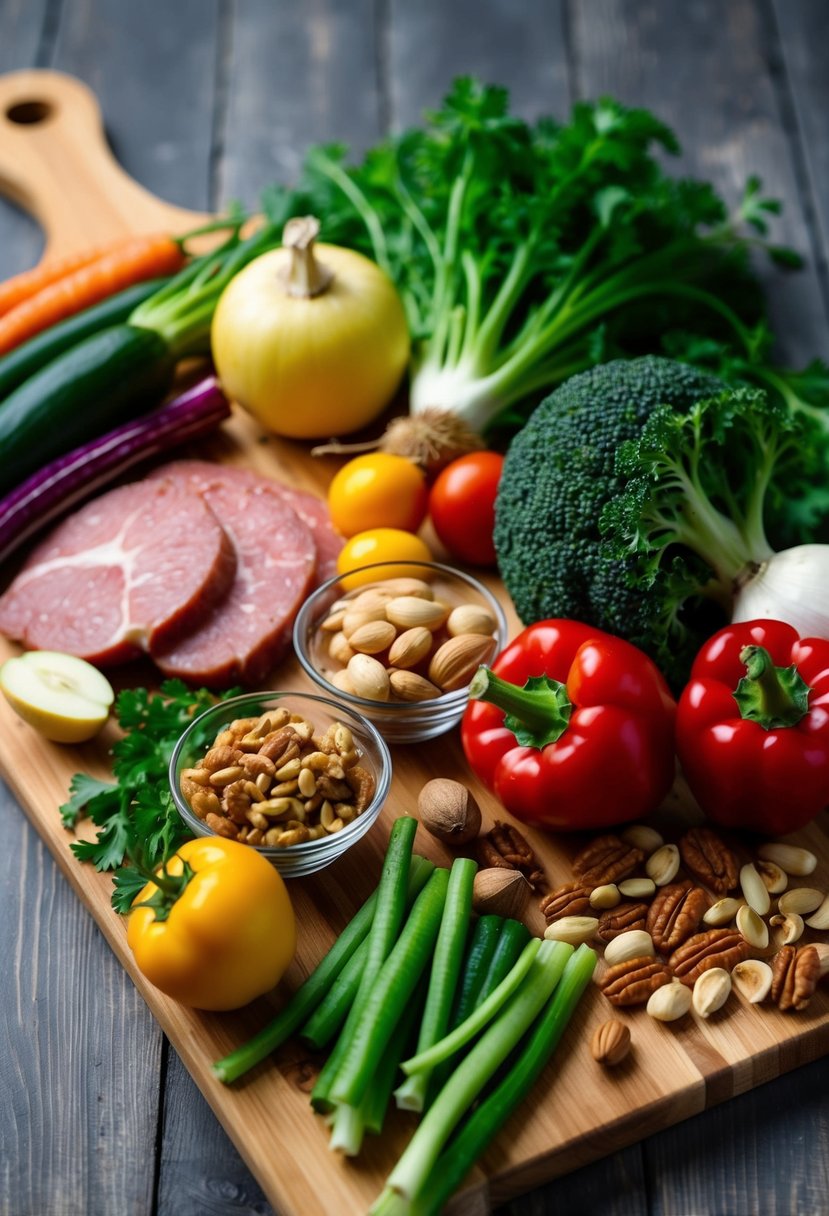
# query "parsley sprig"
(135, 815)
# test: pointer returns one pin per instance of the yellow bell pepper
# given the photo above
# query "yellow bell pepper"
(215, 928)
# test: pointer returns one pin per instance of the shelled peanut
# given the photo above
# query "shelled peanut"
(396, 641)
(272, 781)
(677, 941)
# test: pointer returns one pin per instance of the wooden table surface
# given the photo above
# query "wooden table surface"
(207, 101)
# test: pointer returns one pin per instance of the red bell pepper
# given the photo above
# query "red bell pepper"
(586, 742)
(753, 727)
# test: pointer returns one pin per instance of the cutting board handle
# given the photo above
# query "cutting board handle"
(56, 164)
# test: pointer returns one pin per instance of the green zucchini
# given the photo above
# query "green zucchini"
(107, 379)
(31, 356)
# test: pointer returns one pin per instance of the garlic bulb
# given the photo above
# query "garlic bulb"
(791, 586)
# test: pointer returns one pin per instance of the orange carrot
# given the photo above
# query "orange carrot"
(19, 288)
(111, 270)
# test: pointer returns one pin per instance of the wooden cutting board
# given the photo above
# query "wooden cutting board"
(54, 162)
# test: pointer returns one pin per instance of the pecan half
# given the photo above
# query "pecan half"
(506, 847)
(632, 981)
(573, 899)
(714, 948)
(675, 914)
(606, 859)
(709, 859)
(618, 920)
(795, 974)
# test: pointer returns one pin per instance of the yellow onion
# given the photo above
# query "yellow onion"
(311, 339)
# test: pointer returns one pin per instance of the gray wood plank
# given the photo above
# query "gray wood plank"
(76, 1045)
(152, 68)
(803, 27)
(295, 75)
(521, 47)
(23, 38)
(705, 71)
(764, 1153)
(21, 33)
(201, 1172)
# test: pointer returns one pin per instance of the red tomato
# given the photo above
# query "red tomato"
(462, 506)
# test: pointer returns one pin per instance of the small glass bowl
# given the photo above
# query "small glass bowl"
(311, 855)
(397, 721)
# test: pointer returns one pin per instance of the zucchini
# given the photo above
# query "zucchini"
(31, 356)
(105, 380)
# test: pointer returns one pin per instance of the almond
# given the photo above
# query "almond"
(355, 617)
(409, 686)
(410, 647)
(369, 678)
(455, 662)
(470, 618)
(406, 611)
(373, 637)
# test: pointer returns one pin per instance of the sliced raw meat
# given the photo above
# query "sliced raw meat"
(310, 509)
(249, 630)
(132, 570)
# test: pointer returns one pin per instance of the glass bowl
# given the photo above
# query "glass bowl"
(311, 855)
(397, 721)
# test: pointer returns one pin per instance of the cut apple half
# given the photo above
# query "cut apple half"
(63, 697)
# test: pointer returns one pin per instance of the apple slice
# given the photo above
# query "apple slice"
(63, 697)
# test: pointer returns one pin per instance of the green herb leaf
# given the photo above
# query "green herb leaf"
(136, 817)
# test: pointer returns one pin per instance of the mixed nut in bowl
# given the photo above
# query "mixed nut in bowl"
(401, 647)
(296, 776)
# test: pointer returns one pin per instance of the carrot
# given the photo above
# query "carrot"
(21, 286)
(110, 270)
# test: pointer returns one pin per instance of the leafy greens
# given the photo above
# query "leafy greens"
(136, 816)
(527, 253)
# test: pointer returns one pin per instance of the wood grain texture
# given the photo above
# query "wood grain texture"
(802, 27)
(716, 1180)
(521, 47)
(706, 72)
(152, 68)
(22, 38)
(78, 1043)
(295, 75)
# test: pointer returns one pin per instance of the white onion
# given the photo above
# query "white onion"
(791, 586)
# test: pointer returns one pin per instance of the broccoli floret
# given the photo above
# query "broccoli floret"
(558, 475)
(637, 498)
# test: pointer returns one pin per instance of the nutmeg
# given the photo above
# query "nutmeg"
(500, 892)
(449, 811)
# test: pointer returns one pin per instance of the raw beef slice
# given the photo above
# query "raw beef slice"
(311, 510)
(130, 571)
(249, 630)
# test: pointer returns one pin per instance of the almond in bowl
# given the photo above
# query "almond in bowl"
(401, 650)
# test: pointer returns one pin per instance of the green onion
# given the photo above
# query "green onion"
(332, 1011)
(485, 938)
(474, 1137)
(350, 1123)
(412, 1171)
(302, 1003)
(443, 980)
(379, 1015)
(512, 940)
(385, 927)
(442, 1049)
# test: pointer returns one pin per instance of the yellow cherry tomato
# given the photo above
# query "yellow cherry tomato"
(225, 937)
(378, 491)
(379, 545)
